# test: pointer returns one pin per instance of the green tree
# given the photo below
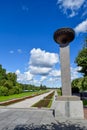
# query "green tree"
(77, 84)
(8, 84)
(12, 77)
(3, 91)
(81, 61)
(84, 83)
(2, 74)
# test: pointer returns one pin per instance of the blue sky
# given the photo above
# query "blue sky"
(26, 38)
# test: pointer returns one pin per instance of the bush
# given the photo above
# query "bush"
(3, 91)
(18, 89)
(11, 91)
(8, 84)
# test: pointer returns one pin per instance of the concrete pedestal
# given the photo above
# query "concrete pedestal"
(68, 107)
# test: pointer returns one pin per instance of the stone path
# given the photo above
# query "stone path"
(36, 119)
(27, 118)
(28, 102)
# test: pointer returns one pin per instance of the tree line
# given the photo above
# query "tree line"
(80, 84)
(10, 86)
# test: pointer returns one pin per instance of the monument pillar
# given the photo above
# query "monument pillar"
(63, 37)
(65, 70)
(66, 106)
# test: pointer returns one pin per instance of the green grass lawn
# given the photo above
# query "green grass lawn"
(15, 96)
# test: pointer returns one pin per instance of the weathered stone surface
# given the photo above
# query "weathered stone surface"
(65, 71)
(38, 119)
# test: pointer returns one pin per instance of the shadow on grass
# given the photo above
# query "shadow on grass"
(60, 126)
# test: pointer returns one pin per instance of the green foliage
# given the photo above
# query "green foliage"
(84, 83)
(2, 73)
(76, 85)
(11, 86)
(59, 91)
(21, 95)
(18, 90)
(85, 102)
(11, 91)
(12, 77)
(8, 84)
(3, 91)
(80, 84)
(81, 61)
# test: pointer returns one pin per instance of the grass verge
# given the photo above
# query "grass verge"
(21, 95)
(46, 102)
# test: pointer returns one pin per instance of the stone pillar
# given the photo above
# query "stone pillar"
(65, 70)
(66, 106)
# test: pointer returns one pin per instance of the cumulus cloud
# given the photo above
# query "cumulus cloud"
(43, 78)
(24, 77)
(74, 72)
(40, 67)
(41, 62)
(82, 27)
(55, 73)
(70, 7)
(36, 70)
(42, 58)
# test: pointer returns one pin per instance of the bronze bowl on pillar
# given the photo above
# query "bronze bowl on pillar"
(64, 36)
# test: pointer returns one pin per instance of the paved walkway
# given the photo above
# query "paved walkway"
(28, 102)
(36, 119)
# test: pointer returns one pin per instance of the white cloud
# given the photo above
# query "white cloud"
(43, 78)
(55, 73)
(17, 72)
(82, 27)
(40, 68)
(25, 77)
(11, 51)
(70, 7)
(42, 62)
(42, 58)
(74, 72)
(37, 70)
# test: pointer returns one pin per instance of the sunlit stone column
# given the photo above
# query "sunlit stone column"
(64, 36)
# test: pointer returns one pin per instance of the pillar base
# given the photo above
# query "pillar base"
(68, 107)
(68, 98)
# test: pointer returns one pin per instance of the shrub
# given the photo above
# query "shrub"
(3, 91)
(11, 91)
